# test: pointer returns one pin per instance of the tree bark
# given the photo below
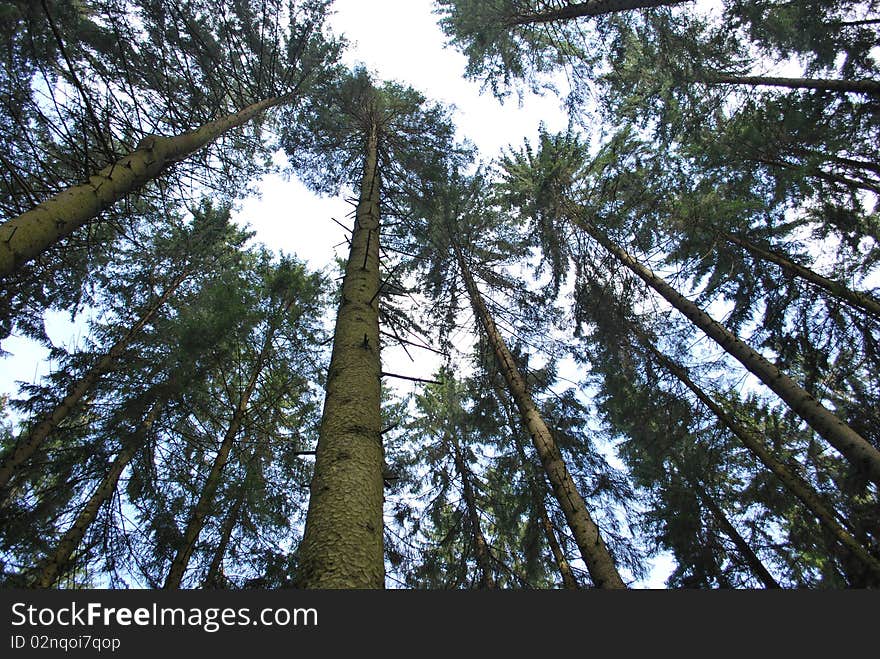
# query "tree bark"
(342, 545)
(855, 448)
(25, 237)
(30, 443)
(586, 9)
(794, 483)
(481, 547)
(206, 498)
(742, 547)
(871, 87)
(585, 531)
(215, 570)
(59, 560)
(857, 299)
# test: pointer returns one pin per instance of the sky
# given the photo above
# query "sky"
(396, 40)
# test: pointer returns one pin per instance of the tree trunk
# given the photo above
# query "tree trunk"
(28, 445)
(742, 547)
(24, 237)
(586, 9)
(481, 547)
(585, 531)
(206, 498)
(794, 483)
(215, 571)
(59, 561)
(845, 86)
(342, 545)
(855, 448)
(857, 299)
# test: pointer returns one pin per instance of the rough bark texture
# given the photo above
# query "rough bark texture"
(592, 8)
(481, 547)
(30, 443)
(789, 479)
(742, 547)
(59, 561)
(585, 531)
(206, 497)
(847, 86)
(24, 237)
(857, 299)
(342, 544)
(855, 448)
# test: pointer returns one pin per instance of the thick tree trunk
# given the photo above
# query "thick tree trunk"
(206, 498)
(30, 443)
(855, 448)
(794, 483)
(857, 299)
(742, 547)
(24, 237)
(585, 531)
(342, 544)
(586, 9)
(845, 86)
(59, 560)
(481, 547)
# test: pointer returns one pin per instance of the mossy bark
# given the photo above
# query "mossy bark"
(25, 237)
(586, 533)
(28, 444)
(861, 454)
(342, 545)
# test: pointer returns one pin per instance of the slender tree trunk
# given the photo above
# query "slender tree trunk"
(742, 547)
(845, 86)
(585, 9)
(342, 544)
(59, 560)
(206, 498)
(794, 483)
(585, 531)
(855, 448)
(481, 547)
(24, 237)
(215, 571)
(31, 442)
(857, 299)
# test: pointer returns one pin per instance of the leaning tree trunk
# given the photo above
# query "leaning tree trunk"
(794, 483)
(844, 86)
(481, 547)
(856, 299)
(30, 443)
(342, 545)
(215, 570)
(742, 547)
(206, 498)
(585, 531)
(586, 9)
(24, 237)
(863, 456)
(58, 562)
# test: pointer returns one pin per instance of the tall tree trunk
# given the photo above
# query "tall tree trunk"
(206, 498)
(215, 570)
(855, 448)
(793, 482)
(742, 547)
(857, 299)
(846, 86)
(29, 443)
(57, 563)
(585, 531)
(342, 545)
(481, 547)
(585, 9)
(24, 237)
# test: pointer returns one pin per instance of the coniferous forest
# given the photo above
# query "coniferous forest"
(653, 333)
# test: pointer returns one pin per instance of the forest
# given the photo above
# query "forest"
(655, 332)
